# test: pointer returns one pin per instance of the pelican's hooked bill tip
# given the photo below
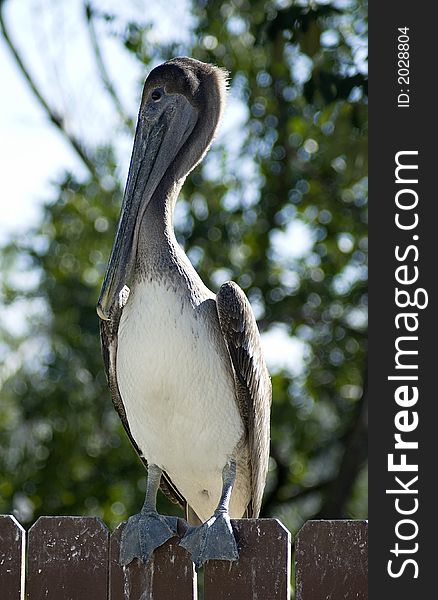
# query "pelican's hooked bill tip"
(101, 313)
(103, 303)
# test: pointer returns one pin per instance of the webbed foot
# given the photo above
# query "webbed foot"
(143, 533)
(214, 540)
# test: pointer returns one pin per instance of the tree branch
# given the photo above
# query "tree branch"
(106, 80)
(53, 115)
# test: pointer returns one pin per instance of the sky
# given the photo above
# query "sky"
(33, 152)
(25, 173)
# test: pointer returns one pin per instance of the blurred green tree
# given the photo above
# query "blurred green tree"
(280, 208)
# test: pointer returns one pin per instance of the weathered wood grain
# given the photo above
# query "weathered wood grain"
(68, 559)
(263, 568)
(169, 575)
(73, 558)
(331, 559)
(12, 548)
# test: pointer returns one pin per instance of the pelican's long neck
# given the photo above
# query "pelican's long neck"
(156, 235)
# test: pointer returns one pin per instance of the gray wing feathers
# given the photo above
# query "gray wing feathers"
(253, 384)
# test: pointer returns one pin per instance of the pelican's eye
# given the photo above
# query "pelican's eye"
(157, 94)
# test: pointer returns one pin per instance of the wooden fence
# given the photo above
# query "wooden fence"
(75, 558)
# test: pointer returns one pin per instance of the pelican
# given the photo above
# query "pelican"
(184, 365)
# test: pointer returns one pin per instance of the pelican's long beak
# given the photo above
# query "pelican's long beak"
(158, 140)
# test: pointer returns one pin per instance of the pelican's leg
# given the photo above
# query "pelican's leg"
(147, 530)
(215, 538)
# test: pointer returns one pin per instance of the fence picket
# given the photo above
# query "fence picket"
(263, 568)
(68, 559)
(169, 575)
(12, 548)
(74, 558)
(331, 559)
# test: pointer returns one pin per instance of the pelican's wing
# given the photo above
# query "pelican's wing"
(108, 338)
(253, 384)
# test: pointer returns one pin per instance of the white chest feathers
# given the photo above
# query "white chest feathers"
(174, 376)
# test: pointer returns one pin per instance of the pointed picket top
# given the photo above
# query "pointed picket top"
(74, 558)
(68, 559)
(263, 568)
(331, 557)
(12, 558)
